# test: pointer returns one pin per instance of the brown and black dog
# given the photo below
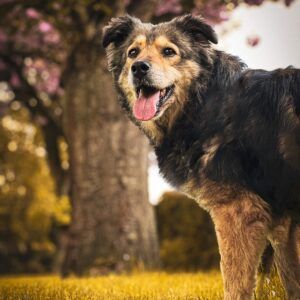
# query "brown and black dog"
(226, 135)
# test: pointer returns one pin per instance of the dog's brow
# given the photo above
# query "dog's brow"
(140, 41)
(162, 41)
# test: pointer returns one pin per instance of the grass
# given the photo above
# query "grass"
(139, 286)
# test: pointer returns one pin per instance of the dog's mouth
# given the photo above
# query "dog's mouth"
(150, 101)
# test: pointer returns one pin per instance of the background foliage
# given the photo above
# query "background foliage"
(29, 207)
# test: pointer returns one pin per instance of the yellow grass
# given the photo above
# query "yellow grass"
(139, 286)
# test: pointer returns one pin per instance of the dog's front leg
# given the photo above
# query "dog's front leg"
(242, 226)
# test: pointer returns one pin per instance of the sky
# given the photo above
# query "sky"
(278, 29)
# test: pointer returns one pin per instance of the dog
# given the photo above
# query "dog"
(226, 135)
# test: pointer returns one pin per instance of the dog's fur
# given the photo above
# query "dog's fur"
(228, 136)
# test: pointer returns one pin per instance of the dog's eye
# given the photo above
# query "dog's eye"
(168, 52)
(132, 53)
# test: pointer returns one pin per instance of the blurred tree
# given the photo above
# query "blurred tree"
(52, 58)
(186, 234)
(50, 55)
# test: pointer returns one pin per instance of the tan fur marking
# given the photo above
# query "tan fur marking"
(210, 148)
(241, 227)
(162, 42)
(152, 131)
(128, 89)
(290, 149)
(139, 41)
(210, 193)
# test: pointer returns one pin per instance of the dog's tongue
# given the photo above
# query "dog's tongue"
(145, 106)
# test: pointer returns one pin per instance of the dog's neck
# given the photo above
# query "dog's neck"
(201, 120)
(227, 69)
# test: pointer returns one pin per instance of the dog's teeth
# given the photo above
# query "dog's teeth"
(163, 92)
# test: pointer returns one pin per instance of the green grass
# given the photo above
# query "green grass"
(139, 286)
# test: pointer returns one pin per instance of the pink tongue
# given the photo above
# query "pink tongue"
(144, 107)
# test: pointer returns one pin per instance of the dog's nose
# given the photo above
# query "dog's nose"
(140, 69)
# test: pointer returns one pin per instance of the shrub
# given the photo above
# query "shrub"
(186, 234)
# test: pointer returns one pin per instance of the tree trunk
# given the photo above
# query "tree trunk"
(113, 226)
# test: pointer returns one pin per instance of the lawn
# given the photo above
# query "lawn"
(139, 286)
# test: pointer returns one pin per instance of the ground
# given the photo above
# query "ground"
(137, 286)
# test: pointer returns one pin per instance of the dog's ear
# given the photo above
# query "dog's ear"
(196, 28)
(117, 30)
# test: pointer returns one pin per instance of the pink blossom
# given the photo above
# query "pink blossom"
(40, 120)
(3, 36)
(253, 40)
(28, 40)
(15, 80)
(214, 11)
(45, 26)
(60, 91)
(51, 38)
(32, 13)
(52, 85)
(48, 84)
(57, 5)
(168, 7)
(288, 2)
(254, 2)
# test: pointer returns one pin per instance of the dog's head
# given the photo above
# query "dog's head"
(154, 65)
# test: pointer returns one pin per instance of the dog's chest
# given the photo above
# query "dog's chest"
(179, 160)
(183, 165)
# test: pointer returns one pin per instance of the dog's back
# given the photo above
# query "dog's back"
(264, 132)
(279, 95)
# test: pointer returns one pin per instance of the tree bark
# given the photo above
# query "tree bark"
(112, 226)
